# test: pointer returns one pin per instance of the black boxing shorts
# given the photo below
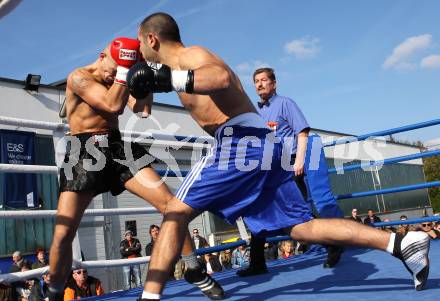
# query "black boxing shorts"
(101, 162)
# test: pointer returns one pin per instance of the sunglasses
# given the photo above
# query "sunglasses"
(81, 272)
(426, 225)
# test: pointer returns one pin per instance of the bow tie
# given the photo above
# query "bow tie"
(262, 104)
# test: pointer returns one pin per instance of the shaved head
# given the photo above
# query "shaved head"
(163, 25)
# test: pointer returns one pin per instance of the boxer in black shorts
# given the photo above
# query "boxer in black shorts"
(113, 176)
(98, 160)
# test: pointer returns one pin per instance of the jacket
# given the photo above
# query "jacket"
(130, 251)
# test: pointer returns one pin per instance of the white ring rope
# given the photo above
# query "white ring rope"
(44, 125)
(12, 214)
(96, 264)
(62, 126)
(22, 168)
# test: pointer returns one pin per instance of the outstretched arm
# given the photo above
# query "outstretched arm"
(200, 72)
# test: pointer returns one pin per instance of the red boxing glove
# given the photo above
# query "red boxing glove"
(125, 52)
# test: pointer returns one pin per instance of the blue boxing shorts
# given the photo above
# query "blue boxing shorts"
(242, 176)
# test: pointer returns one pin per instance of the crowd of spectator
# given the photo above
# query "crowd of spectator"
(431, 228)
(79, 284)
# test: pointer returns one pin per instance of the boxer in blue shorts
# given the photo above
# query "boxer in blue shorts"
(240, 174)
(243, 175)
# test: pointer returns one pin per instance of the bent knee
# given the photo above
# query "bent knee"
(162, 206)
(301, 232)
(176, 206)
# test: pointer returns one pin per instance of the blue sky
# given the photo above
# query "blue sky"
(352, 66)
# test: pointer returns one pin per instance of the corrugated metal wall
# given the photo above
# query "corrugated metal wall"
(386, 177)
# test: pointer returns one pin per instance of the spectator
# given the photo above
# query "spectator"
(371, 218)
(179, 269)
(354, 216)
(286, 249)
(40, 289)
(226, 259)
(301, 248)
(270, 251)
(81, 285)
(154, 233)
(23, 288)
(437, 226)
(130, 247)
(240, 257)
(18, 262)
(428, 227)
(389, 229)
(41, 259)
(403, 229)
(212, 263)
(7, 292)
(199, 241)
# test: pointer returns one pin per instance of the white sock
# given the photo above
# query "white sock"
(390, 247)
(147, 295)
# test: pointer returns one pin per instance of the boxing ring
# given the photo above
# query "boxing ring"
(361, 274)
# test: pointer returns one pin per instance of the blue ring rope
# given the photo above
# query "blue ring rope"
(385, 162)
(387, 190)
(384, 132)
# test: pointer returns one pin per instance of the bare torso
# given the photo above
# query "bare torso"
(213, 110)
(81, 116)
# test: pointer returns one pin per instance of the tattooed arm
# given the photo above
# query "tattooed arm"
(95, 94)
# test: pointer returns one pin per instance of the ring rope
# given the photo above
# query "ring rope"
(12, 214)
(35, 168)
(385, 161)
(388, 190)
(48, 169)
(95, 264)
(383, 133)
(62, 126)
(57, 126)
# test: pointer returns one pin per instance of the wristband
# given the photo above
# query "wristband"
(121, 75)
(182, 80)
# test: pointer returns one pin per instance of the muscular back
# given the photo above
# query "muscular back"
(84, 112)
(214, 108)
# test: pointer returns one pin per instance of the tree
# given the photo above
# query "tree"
(431, 166)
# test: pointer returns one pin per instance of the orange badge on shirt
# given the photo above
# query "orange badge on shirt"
(273, 125)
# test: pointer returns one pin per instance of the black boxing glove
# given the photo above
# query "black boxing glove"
(137, 80)
(146, 77)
